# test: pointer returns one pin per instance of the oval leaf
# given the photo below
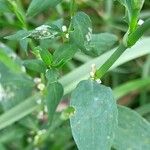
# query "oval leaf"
(64, 53)
(100, 43)
(52, 75)
(19, 35)
(53, 96)
(82, 29)
(133, 132)
(95, 118)
(38, 6)
(35, 65)
(45, 55)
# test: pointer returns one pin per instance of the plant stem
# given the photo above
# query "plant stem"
(104, 68)
(18, 12)
(72, 8)
(108, 9)
(132, 39)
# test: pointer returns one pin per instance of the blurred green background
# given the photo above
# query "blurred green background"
(130, 81)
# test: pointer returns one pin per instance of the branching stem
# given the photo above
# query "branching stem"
(131, 40)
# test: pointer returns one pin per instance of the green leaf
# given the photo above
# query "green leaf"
(133, 8)
(3, 6)
(63, 54)
(45, 55)
(24, 44)
(82, 29)
(95, 118)
(53, 96)
(133, 131)
(45, 32)
(52, 75)
(19, 35)
(12, 78)
(37, 6)
(10, 82)
(100, 43)
(41, 32)
(35, 65)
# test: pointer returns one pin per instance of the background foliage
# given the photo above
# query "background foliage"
(25, 122)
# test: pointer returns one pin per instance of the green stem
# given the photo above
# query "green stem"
(132, 39)
(135, 36)
(18, 12)
(72, 8)
(108, 9)
(104, 68)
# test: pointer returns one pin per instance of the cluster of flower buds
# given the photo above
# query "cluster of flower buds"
(39, 84)
(64, 29)
(92, 73)
(38, 136)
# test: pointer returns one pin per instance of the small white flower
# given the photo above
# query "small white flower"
(47, 70)
(39, 101)
(40, 132)
(64, 28)
(37, 80)
(40, 115)
(90, 29)
(98, 81)
(67, 36)
(93, 70)
(23, 69)
(140, 22)
(36, 139)
(13, 56)
(45, 109)
(41, 86)
(93, 67)
(29, 139)
(92, 74)
(37, 136)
